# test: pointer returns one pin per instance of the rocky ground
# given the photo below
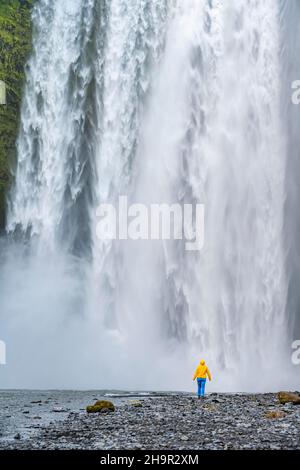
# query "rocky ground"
(173, 421)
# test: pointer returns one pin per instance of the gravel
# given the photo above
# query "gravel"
(171, 421)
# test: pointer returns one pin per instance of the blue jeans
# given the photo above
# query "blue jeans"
(201, 387)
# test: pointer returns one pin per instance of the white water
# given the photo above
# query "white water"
(165, 101)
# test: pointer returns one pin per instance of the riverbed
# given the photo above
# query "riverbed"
(147, 420)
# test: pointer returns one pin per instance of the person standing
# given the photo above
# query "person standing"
(201, 373)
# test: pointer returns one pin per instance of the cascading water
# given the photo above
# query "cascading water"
(165, 102)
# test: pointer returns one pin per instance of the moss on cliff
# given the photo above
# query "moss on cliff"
(15, 43)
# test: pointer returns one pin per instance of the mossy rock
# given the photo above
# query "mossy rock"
(289, 397)
(99, 406)
(277, 414)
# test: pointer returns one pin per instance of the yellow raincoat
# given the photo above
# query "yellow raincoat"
(202, 371)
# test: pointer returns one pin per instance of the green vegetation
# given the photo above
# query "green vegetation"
(15, 44)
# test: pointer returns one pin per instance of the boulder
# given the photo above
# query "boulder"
(289, 397)
(100, 406)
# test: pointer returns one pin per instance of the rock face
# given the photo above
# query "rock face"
(101, 406)
(15, 45)
(289, 397)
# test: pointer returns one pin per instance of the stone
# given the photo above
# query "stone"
(209, 407)
(101, 405)
(277, 414)
(289, 397)
(136, 403)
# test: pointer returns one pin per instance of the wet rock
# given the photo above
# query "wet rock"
(17, 436)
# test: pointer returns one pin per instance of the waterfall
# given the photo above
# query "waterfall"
(164, 101)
